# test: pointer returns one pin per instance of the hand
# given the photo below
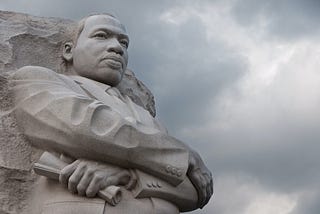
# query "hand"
(87, 177)
(201, 178)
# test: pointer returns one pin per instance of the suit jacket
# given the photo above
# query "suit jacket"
(87, 119)
(50, 197)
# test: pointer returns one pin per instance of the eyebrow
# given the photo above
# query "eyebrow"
(121, 35)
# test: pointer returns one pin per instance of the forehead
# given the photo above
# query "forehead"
(100, 22)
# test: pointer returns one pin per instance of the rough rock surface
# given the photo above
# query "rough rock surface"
(30, 40)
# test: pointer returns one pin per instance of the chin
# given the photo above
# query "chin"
(107, 76)
(112, 80)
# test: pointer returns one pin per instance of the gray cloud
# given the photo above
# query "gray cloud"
(186, 68)
(288, 19)
(309, 203)
(271, 138)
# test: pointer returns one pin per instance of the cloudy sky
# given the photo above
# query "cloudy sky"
(238, 80)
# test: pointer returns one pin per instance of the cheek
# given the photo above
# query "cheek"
(86, 54)
(90, 49)
(80, 58)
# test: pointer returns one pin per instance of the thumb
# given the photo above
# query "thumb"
(110, 181)
(121, 178)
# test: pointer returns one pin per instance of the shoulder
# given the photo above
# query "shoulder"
(35, 73)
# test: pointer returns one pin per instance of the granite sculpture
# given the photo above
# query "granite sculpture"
(100, 136)
(20, 35)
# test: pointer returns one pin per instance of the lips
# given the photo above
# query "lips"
(113, 61)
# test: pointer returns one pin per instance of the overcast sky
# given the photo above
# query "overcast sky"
(239, 80)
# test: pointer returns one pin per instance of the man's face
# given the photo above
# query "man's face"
(101, 50)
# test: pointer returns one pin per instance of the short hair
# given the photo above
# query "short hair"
(72, 34)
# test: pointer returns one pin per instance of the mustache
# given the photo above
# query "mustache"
(115, 57)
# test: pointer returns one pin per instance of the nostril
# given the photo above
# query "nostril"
(118, 51)
(114, 46)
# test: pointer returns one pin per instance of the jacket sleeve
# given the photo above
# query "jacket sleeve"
(56, 117)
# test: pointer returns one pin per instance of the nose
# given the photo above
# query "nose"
(115, 46)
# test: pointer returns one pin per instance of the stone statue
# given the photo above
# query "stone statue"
(99, 136)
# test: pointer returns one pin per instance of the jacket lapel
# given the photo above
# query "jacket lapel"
(94, 90)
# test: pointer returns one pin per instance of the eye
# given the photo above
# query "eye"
(124, 43)
(101, 35)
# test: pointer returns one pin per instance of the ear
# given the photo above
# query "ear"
(67, 51)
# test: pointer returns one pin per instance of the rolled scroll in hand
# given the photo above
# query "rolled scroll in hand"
(50, 166)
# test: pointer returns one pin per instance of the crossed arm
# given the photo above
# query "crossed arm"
(56, 115)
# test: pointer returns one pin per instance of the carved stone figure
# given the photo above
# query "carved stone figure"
(98, 137)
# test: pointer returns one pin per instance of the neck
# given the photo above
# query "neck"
(71, 72)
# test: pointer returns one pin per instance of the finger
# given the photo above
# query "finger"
(208, 189)
(75, 178)
(196, 181)
(123, 177)
(203, 191)
(95, 185)
(211, 185)
(67, 171)
(84, 182)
